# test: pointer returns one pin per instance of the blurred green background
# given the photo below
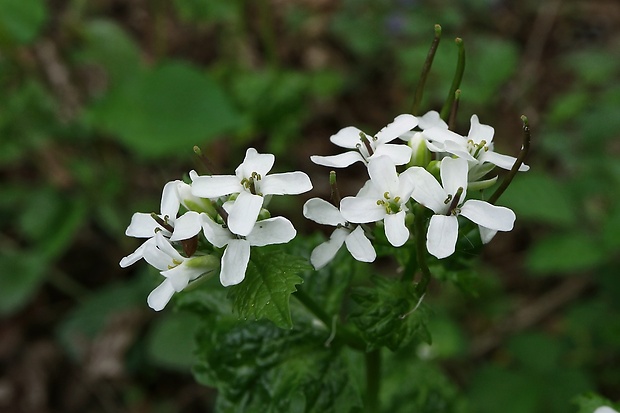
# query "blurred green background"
(103, 100)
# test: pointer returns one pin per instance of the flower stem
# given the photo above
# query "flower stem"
(373, 380)
(456, 81)
(418, 225)
(419, 91)
(515, 168)
(341, 336)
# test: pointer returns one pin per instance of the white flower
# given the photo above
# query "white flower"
(476, 147)
(605, 409)
(384, 197)
(177, 269)
(278, 230)
(251, 183)
(353, 237)
(366, 147)
(447, 203)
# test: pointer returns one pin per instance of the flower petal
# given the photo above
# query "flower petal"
(261, 163)
(454, 175)
(186, 226)
(459, 149)
(399, 154)
(360, 246)
(400, 125)
(244, 212)
(182, 274)
(427, 191)
(383, 174)
(235, 262)
(490, 216)
(486, 234)
(277, 230)
(156, 257)
(216, 185)
(160, 296)
(442, 235)
(289, 183)
(361, 210)
(170, 200)
(326, 251)
(214, 232)
(348, 137)
(503, 161)
(395, 229)
(440, 135)
(431, 119)
(142, 225)
(137, 254)
(341, 160)
(479, 132)
(322, 212)
(166, 247)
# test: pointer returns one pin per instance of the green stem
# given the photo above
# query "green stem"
(454, 110)
(419, 91)
(373, 380)
(419, 233)
(456, 81)
(515, 168)
(342, 335)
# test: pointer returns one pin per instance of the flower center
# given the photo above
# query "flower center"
(250, 183)
(454, 209)
(475, 148)
(391, 205)
(365, 147)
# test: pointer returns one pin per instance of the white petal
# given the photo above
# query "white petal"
(604, 409)
(479, 132)
(348, 137)
(442, 234)
(361, 210)
(290, 183)
(427, 191)
(454, 175)
(459, 149)
(326, 251)
(440, 135)
(395, 229)
(214, 232)
(338, 161)
(383, 174)
(400, 125)
(186, 226)
(490, 216)
(160, 296)
(137, 254)
(142, 225)
(182, 274)
(216, 185)
(322, 212)
(261, 163)
(244, 213)
(157, 258)
(486, 234)
(503, 161)
(193, 175)
(360, 246)
(406, 184)
(399, 154)
(431, 119)
(235, 262)
(165, 246)
(170, 200)
(278, 230)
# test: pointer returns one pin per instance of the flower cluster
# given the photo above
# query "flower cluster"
(440, 185)
(229, 211)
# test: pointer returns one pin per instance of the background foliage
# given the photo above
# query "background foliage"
(103, 100)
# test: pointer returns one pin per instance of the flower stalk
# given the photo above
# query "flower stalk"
(419, 91)
(456, 81)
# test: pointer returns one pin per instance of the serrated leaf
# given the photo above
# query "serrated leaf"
(259, 368)
(270, 280)
(389, 314)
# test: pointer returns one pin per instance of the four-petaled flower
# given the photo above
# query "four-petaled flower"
(476, 147)
(353, 236)
(251, 183)
(177, 269)
(384, 197)
(278, 230)
(448, 202)
(366, 147)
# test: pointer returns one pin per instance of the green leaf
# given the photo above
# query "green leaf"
(166, 109)
(21, 21)
(171, 341)
(270, 280)
(389, 314)
(569, 253)
(259, 368)
(539, 197)
(22, 274)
